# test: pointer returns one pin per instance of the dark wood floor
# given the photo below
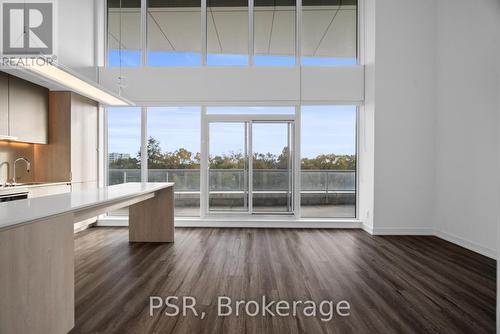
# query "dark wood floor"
(393, 284)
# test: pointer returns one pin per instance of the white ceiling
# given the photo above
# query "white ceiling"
(327, 31)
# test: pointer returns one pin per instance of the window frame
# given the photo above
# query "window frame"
(297, 217)
(298, 34)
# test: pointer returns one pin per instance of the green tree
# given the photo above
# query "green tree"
(184, 159)
(330, 162)
(154, 153)
(128, 163)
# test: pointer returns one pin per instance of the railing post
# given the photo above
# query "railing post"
(326, 187)
(125, 176)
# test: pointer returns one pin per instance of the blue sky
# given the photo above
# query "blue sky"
(132, 58)
(325, 129)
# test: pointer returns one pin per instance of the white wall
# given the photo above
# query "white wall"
(468, 107)
(431, 81)
(75, 29)
(150, 85)
(404, 109)
(467, 159)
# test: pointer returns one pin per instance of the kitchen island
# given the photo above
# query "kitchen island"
(37, 248)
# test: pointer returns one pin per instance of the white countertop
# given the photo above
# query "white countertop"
(26, 187)
(28, 210)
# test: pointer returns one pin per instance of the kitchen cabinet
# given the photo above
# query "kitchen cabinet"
(72, 153)
(28, 111)
(4, 104)
(84, 139)
(23, 110)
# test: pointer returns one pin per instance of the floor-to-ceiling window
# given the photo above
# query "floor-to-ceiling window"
(124, 145)
(328, 161)
(174, 153)
(252, 162)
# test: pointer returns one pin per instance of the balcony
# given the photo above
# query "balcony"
(324, 193)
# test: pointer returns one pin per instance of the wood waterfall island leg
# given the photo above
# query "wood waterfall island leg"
(37, 289)
(153, 220)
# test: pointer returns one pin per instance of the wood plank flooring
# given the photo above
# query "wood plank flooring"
(393, 284)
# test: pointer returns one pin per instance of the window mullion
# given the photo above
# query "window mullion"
(298, 32)
(144, 144)
(144, 32)
(250, 31)
(204, 34)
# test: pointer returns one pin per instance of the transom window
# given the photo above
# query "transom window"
(232, 33)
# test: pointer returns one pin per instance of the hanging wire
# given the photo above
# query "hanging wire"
(120, 77)
(209, 7)
(272, 27)
(328, 28)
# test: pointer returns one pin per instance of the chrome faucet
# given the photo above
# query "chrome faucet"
(6, 182)
(28, 168)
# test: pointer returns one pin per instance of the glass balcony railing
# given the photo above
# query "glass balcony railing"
(324, 193)
(188, 180)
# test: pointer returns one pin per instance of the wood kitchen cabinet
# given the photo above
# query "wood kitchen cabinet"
(28, 111)
(24, 109)
(4, 104)
(72, 153)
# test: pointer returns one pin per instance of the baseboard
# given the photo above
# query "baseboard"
(402, 231)
(367, 228)
(269, 224)
(84, 227)
(228, 223)
(488, 252)
(491, 253)
(112, 222)
(81, 226)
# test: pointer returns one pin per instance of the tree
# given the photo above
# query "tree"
(154, 153)
(127, 163)
(227, 161)
(330, 162)
(184, 159)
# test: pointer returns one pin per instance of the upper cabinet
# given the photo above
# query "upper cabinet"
(28, 111)
(4, 104)
(24, 110)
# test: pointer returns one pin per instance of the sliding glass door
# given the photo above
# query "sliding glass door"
(272, 176)
(228, 167)
(250, 165)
